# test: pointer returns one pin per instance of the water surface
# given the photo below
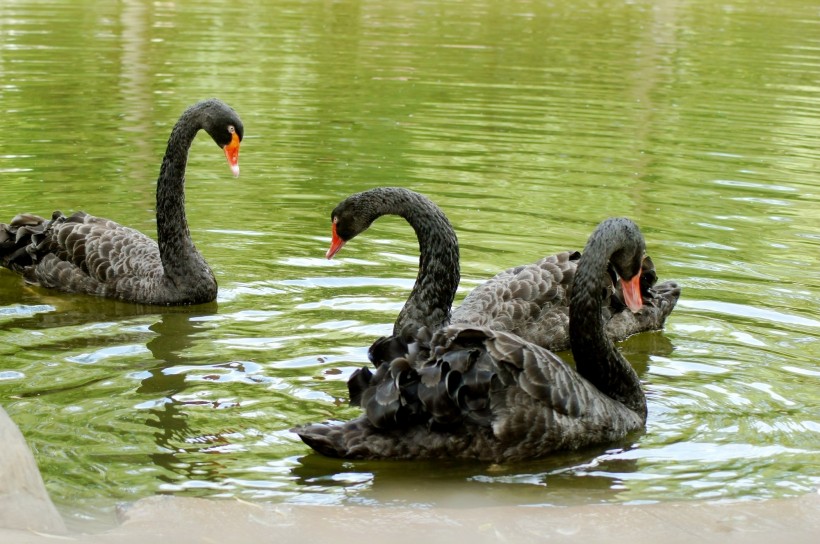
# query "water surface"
(527, 122)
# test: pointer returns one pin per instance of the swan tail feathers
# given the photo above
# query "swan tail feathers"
(324, 438)
(25, 241)
(349, 440)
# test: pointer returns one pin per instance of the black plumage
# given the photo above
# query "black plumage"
(82, 253)
(473, 392)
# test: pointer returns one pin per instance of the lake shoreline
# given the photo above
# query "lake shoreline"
(27, 516)
(181, 519)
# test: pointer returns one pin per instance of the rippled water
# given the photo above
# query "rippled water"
(527, 122)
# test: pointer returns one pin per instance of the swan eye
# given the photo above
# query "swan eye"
(336, 220)
(231, 129)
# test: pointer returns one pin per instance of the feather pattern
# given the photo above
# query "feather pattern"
(531, 301)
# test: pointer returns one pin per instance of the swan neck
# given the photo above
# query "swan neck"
(173, 236)
(432, 296)
(596, 357)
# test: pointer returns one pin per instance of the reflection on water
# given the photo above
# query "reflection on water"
(526, 122)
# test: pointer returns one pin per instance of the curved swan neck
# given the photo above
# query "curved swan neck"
(176, 247)
(596, 357)
(432, 296)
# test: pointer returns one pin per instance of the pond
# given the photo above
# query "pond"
(527, 122)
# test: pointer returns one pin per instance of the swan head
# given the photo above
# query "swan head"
(349, 219)
(627, 260)
(222, 123)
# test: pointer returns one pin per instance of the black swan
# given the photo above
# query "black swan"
(432, 296)
(530, 301)
(474, 393)
(86, 254)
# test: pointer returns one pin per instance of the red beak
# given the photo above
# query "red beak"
(336, 243)
(232, 154)
(632, 292)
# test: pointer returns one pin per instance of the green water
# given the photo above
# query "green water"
(526, 121)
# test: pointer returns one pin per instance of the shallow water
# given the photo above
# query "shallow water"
(527, 122)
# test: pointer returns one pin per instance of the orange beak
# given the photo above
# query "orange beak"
(232, 154)
(336, 243)
(632, 292)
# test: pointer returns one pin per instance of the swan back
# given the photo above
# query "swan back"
(530, 301)
(482, 395)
